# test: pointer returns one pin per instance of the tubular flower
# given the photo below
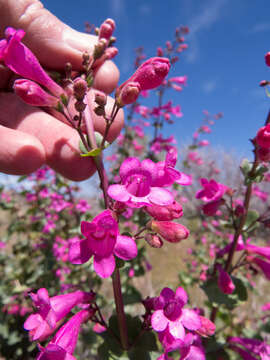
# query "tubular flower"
(212, 191)
(103, 241)
(18, 58)
(137, 186)
(62, 346)
(52, 310)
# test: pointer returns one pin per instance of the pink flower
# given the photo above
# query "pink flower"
(52, 310)
(128, 93)
(138, 185)
(224, 281)
(267, 58)
(212, 207)
(170, 317)
(22, 61)
(103, 241)
(62, 346)
(167, 213)
(263, 137)
(180, 80)
(207, 328)
(211, 190)
(249, 349)
(170, 231)
(151, 73)
(83, 206)
(263, 265)
(32, 94)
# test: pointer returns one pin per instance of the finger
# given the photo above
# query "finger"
(52, 41)
(20, 153)
(59, 140)
(106, 77)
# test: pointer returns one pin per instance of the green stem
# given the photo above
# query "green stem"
(120, 309)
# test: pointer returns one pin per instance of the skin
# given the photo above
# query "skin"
(30, 137)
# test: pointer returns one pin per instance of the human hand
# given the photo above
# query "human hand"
(29, 136)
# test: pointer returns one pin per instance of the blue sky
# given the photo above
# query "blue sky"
(224, 63)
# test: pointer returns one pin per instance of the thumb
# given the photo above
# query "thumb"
(52, 41)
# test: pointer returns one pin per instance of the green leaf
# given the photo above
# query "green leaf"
(245, 167)
(252, 217)
(92, 153)
(240, 289)
(216, 296)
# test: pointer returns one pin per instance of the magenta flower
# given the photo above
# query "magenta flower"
(250, 349)
(165, 213)
(170, 231)
(211, 208)
(259, 250)
(211, 191)
(167, 174)
(22, 61)
(225, 282)
(151, 73)
(170, 317)
(103, 241)
(52, 310)
(263, 137)
(263, 265)
(62, 346)
(137, 186)
(32, 94)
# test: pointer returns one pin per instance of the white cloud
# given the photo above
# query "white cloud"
(206, 17)
(209, 86)
(260, 27)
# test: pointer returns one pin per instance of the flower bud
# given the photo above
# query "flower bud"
(100, 98)
(211, 208)
(267, 58)
(263, 136)
(224, 281)
(170, 231)
(239, 210)
(264, 154)
(160, 51)
(165, 213)
(105, 31)
(207, 329)
(80, 106)
(264, 83)
(128, 94)
(79, 88)
(151, 73)
(33, 94)
(99, 48)
(154, 241)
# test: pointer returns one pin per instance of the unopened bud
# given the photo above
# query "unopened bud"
(99, 110)
(160, 51)
(264, 154)
(154, 241)
(239, 210)
(264, 83)
(169, 45)
(80, 106)
(79, 88)
(128, 94)
(174, 59)
(170, 231)
(111, 22)
(33, 94)
(99, 48)
(100, 98)
(165, 213)
(106, 29)
(224, 281)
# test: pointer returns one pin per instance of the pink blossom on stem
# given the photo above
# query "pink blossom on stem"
(52, 310)
(170, 318)
(225, 282)
(102, 241)
(138, 185)
(151, 73)
(170, 231)
(165, 213)
(62, 346)
(267, 58)
(22, 61)
(32, 94)
(211, 190)
(262, 264)
(263, 137)
(212, 207)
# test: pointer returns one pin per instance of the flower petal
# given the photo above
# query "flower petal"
(118, 192)
(79, 252)
(159, 322)
(176, 329)
(104, 267)
(160, 196)
(125, 247)
(190, 319)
